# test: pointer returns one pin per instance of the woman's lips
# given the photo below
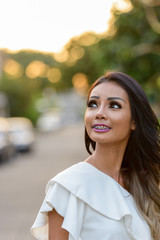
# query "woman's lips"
(101, 128)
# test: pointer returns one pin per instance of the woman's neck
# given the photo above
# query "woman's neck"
(108, 159)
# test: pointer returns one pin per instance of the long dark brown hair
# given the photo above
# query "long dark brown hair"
(141, 160)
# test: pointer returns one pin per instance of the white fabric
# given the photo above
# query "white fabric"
(94, 207)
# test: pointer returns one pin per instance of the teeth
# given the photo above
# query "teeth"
(101, 127)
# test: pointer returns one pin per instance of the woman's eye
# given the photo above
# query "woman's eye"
(92, 104)
(115, 105)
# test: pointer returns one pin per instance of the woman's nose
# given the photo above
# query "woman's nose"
(101, 114)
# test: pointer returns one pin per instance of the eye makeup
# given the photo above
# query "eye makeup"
(115, 105)
(91, 103)
(112, 104)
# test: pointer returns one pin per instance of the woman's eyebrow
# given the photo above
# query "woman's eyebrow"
(112, 98)
(94, 97)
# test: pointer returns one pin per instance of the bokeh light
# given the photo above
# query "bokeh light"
(80, 82)
(54, 75)
(13, 68)
(88, 39)
(61, 56)
(76, 53)
(36, 69)
(123, 5)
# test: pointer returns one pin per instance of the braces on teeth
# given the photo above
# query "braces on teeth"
(101, 127)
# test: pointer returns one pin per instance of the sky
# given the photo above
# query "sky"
(47, 25)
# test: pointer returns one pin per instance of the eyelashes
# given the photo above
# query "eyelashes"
(92, 104)
(115, 105)
(112, 104)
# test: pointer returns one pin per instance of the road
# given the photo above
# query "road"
(23, 179)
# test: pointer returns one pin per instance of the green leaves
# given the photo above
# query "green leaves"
(134, 48)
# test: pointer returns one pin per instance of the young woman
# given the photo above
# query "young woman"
(115, 193)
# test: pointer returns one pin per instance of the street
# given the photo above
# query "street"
(23, 179)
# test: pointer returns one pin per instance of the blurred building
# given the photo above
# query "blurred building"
(67, 109)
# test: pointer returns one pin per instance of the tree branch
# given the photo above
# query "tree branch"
(152, 19)
(151, 3)
(145, 48)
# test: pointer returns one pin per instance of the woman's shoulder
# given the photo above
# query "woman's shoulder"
(78, 168)
(86, 176)
(79, 175)
(91, 186)
(72, 176)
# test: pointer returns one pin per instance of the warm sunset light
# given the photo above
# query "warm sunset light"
(36, 69)
(54, 75)
(80, 82)
(13, 68)
(47, 25)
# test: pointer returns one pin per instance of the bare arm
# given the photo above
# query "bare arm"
(55, 230)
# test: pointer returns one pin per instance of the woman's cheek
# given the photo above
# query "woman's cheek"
(88, 120)
(88, 117)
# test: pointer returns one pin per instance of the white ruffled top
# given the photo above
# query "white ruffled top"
(94, 207)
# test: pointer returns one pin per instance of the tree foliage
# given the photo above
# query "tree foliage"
(134, 48)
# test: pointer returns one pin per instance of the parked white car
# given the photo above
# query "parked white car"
(6, 147)
(50, 120)
(21, 133)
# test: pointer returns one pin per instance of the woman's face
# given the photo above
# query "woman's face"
(108, 115)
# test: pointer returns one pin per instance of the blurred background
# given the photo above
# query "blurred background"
(50, 53)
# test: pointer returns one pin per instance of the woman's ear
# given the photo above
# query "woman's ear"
(133, 126)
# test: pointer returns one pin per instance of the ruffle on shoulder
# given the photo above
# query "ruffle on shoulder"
(67, 205)
(76, 187)
(94, 188)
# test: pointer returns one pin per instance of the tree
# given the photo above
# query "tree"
(131, 45)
